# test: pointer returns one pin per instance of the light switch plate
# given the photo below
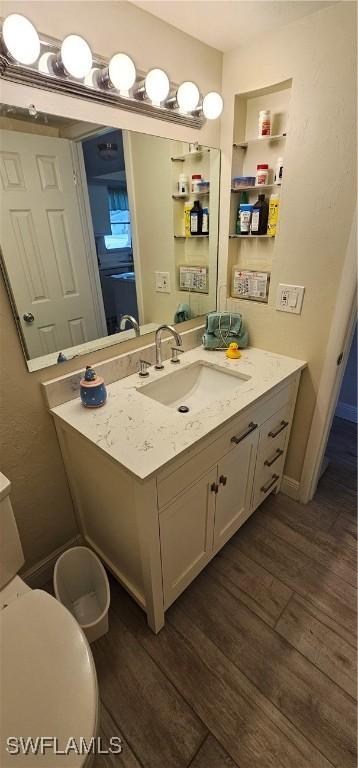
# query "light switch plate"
(289, 298)
(162, 282)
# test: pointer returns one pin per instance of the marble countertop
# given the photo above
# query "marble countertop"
(144, 435)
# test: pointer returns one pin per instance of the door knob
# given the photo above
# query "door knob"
(28, 317)
(222, 480)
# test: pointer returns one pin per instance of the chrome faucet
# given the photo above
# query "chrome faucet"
(129, 319)
(158, 339)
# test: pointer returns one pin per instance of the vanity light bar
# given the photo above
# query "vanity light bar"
(70, 67)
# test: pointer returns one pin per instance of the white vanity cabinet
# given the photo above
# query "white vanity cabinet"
(202, 518)
(156, 534)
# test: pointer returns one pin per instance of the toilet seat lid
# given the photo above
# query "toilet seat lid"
(48, 680)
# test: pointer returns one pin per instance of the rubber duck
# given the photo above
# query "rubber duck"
(233, 351)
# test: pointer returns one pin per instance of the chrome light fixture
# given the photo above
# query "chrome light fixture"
(108, 150)
(20, 39)
(69, 67)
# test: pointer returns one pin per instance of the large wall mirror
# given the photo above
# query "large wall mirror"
(106, 233)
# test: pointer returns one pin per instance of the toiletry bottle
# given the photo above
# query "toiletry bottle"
(261, 174)
(205, 221)
(245, 218)
(259, 217)
(187, 209)
(93, 392)
(273, 214)
(264, 123)
(243, 198)
(183, 185)
(196, 219)
(278, 171)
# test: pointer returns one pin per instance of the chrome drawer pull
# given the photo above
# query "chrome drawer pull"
(250, 429)
(282, 426)
(265, 488)
(277, 455)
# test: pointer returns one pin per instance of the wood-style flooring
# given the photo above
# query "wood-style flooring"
(256, 665)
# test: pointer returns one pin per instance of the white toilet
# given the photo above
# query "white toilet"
(48, 682)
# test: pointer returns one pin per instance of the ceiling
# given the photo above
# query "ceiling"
(227, 24)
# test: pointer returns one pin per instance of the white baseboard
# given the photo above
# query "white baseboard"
(290, 487)
(348, 412)
(41, 573)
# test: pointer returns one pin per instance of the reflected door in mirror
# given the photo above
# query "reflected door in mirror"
(43, 243)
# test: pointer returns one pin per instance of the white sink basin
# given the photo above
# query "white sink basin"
(194, 387)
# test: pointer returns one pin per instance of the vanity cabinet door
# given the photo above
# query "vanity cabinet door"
(235, 480)
(186, 536)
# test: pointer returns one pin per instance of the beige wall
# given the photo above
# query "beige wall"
(318, 197)
(30, 455)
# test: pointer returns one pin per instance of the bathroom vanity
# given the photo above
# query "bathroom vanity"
(157, 491)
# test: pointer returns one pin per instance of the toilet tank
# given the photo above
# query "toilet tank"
(11, 554)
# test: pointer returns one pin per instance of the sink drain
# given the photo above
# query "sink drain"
(183, 409)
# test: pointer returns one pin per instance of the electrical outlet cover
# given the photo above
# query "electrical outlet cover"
(162, 282)
(289, 298)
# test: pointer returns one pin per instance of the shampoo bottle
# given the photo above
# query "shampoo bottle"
(273, 215)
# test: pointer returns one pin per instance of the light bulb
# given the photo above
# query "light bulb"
(122, 72)
(76, 56)
(21, 39)
(188, 96)
(157, 85)
(212, 105)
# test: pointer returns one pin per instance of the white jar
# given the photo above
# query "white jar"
(261, 175)
(183, 185)
(264, 123)
(196, 180)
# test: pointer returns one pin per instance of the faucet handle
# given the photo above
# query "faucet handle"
(143, 366)
(175, 352)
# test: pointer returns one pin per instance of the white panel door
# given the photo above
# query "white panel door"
(43, 242)
(186, 536)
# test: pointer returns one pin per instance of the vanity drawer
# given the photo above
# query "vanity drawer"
(266, 480)
(273, 434)
(198, 460)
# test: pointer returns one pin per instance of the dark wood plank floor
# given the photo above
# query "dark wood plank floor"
(256, 666)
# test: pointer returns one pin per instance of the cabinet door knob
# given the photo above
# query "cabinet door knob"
(28, 317)
(222, 480)
(237, 438)
(279, 429)
(265, 488)
(214, 487)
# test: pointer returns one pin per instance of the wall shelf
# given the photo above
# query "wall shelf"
(256, 188)
(251, 237)
(245, 144)
(191, 194)
(182, 158)
(192, 237)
